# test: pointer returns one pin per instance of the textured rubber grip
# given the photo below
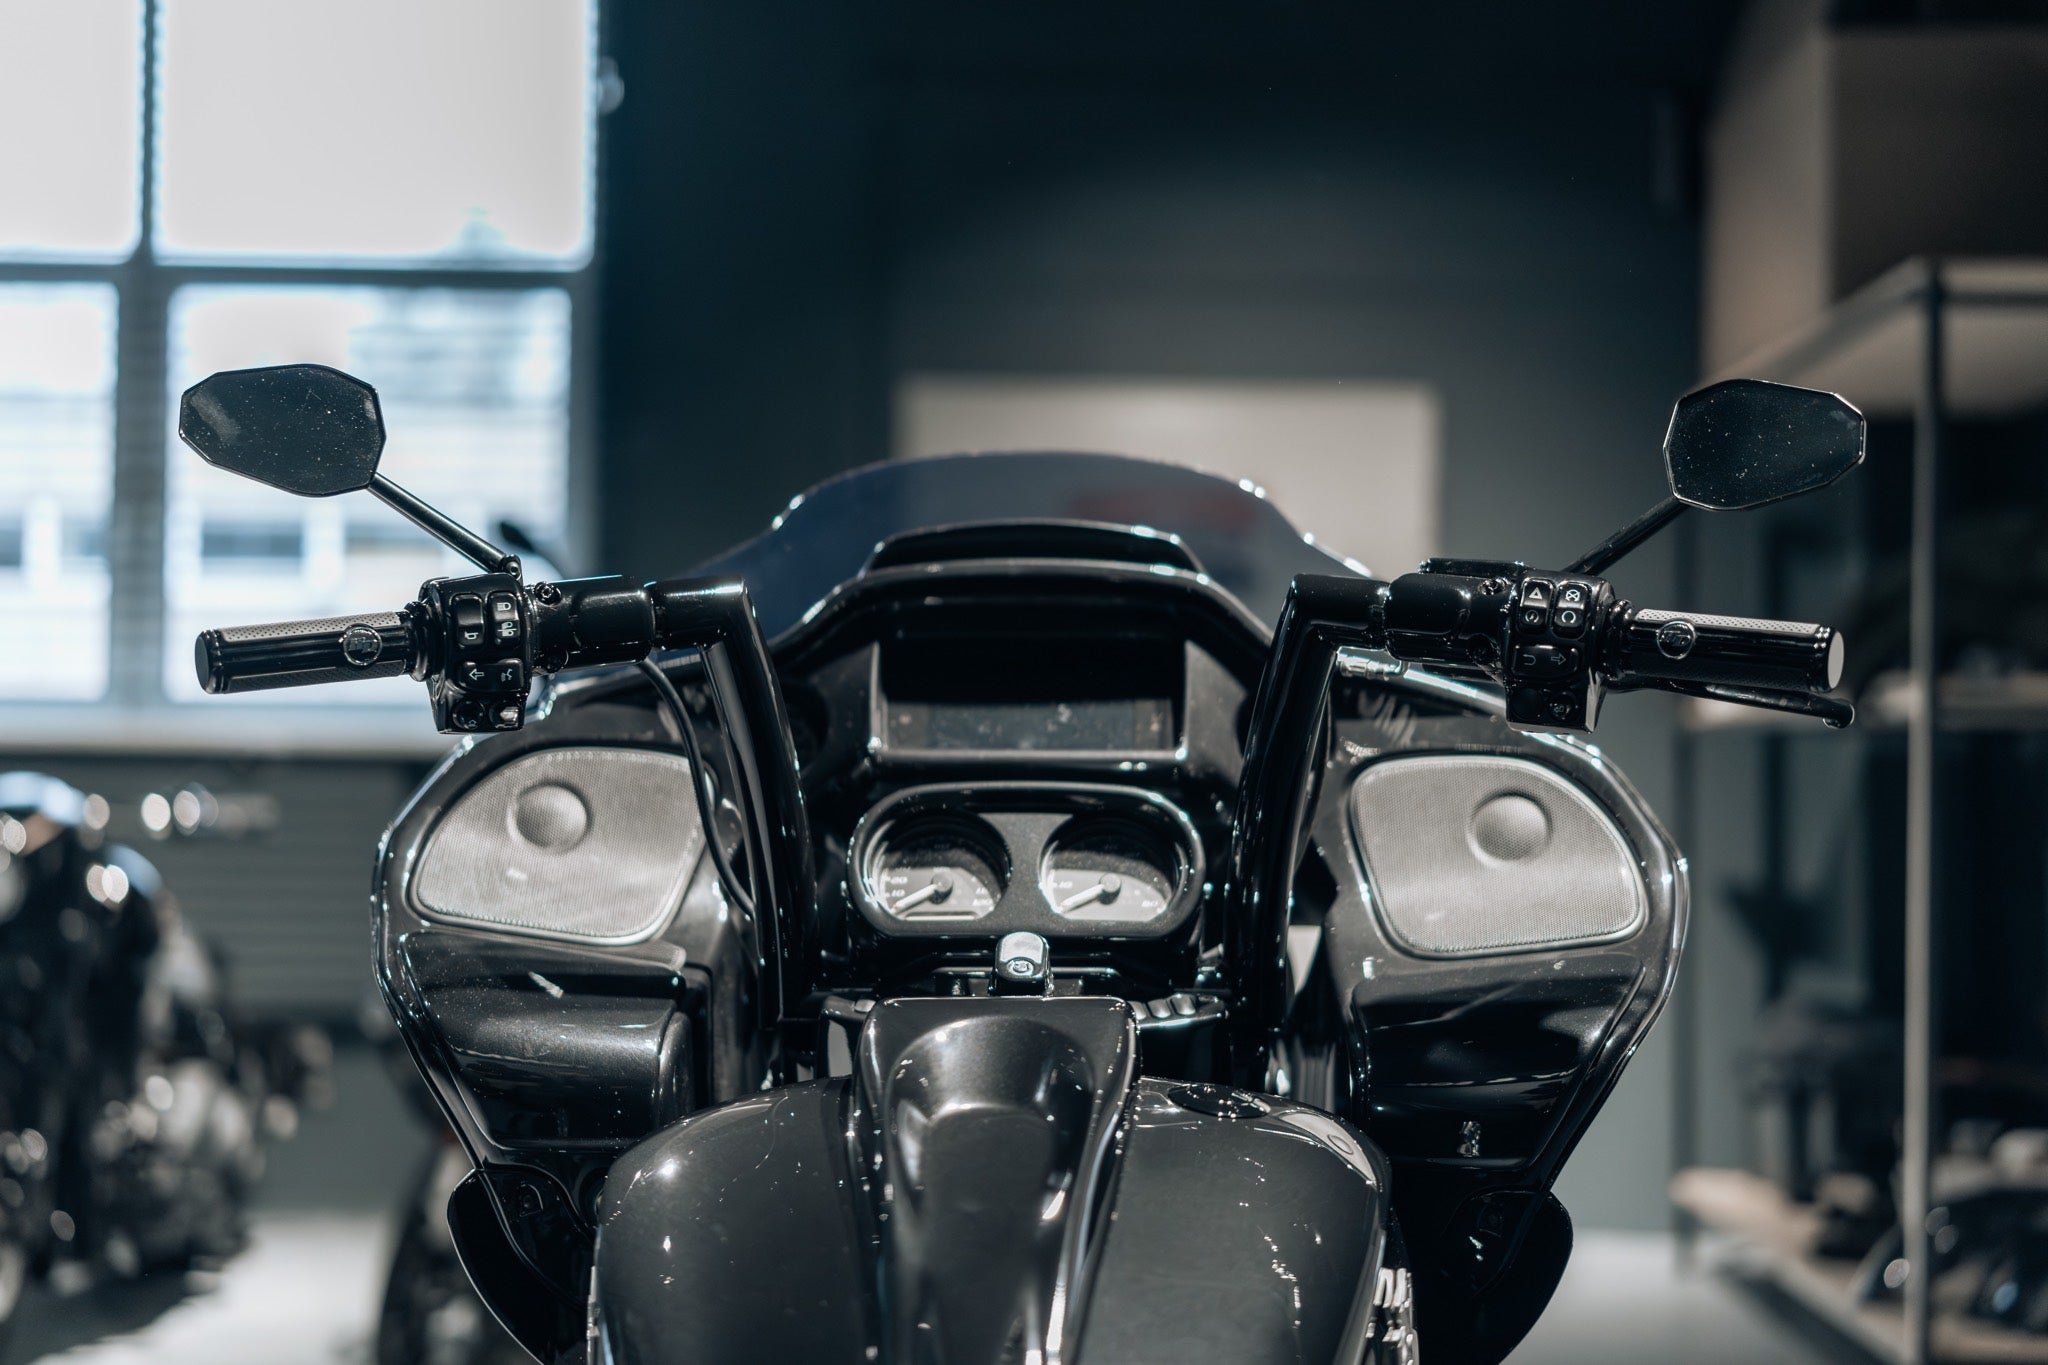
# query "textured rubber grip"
(302, 653)
(1683, 646)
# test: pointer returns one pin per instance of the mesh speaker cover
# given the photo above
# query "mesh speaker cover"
(592, 845)
(1476, 854)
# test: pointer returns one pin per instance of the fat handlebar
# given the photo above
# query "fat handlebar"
(1555, 642)
(1543, 637)
(477, 642)
(1645, 646)
(302, 653)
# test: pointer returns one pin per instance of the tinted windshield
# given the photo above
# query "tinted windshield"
(1238, 538)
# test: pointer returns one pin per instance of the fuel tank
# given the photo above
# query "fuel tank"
(994, 1184)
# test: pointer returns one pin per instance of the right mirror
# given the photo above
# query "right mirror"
(1744, 442)
(306, 429)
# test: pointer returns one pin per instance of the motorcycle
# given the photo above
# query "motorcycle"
(955, 925)
(134, 1102)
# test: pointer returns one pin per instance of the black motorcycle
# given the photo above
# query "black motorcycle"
(134, 1102)
(1024, 907)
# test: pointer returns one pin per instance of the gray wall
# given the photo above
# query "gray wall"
(801, 213)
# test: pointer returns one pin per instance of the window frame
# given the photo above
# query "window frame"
(135, 714)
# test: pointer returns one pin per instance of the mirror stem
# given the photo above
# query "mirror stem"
(1596, 560)
(444, 528)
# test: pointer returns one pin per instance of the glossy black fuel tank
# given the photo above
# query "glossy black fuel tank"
(994, 1184)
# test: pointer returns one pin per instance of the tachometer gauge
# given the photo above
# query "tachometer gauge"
(1109, 870)
(938, 868)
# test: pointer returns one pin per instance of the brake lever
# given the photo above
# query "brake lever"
(1832, 712)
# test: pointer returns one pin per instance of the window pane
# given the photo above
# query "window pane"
(475, 390)
(449, 131)
(70, 92)
(57, 467)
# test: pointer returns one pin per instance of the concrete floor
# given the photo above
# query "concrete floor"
(305, 1291)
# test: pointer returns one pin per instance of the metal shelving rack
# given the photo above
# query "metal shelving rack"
(1929, 341)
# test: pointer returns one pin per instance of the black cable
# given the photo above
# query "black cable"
(707, 808)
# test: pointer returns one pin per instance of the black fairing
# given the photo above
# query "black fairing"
(1479, 1074)
(994, 1185)
(752, 1229)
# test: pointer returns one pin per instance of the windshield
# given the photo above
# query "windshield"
(827, 534)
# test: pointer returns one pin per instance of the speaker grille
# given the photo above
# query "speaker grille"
(591, 845)
(1471, 854)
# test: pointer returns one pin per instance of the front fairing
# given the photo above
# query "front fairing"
(996, 1184)
(1224, 529)
(754, 1230)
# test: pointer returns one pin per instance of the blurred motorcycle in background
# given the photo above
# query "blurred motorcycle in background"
(135, 1101)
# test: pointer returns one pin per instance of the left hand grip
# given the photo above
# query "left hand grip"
(302, 653)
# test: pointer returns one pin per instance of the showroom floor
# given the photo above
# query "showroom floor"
(306, 1290)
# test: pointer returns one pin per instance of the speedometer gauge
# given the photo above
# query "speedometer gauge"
(1109, 869)
(938, 868)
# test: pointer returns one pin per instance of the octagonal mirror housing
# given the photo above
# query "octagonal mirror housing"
(305, 429)
(1746, 443)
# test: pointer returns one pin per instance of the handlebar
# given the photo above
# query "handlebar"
(478, 642)
(1644, 645)
(302, 653)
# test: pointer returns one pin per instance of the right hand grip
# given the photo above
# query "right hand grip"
(301, 653)
(1683, 646)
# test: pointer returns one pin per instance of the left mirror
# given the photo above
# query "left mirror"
(306, 429)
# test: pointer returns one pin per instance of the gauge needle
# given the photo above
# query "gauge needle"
(1102, 890)
(936, 889)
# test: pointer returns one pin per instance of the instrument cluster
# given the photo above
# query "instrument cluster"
(974, 860)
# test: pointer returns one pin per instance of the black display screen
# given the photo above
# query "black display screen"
(1048, 695)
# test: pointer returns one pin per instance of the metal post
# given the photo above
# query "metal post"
(135, 530)
(1922, 1039)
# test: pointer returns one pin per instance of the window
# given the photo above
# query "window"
(70, 128)
(57, 465)
(213, 184)
(431, 131)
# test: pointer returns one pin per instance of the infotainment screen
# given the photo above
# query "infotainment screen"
(1065, 695)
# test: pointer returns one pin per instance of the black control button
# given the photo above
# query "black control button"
(507, 678)
(469, 715)
(1574, 595)
(509, 715)
(473, 677)
(1568, 621)
(1532, 613)
(1545, 663)
(504, 617)
(466, 620)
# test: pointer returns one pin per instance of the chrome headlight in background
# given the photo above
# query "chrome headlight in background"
(589, 845)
